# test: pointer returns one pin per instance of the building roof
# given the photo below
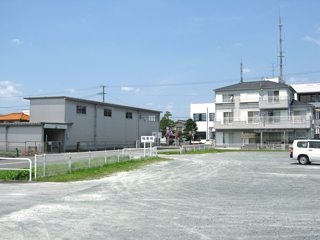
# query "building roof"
(181, 121)
(93, 102)
(253, 85)
(15, 117)
(296, 103)
(306, 87)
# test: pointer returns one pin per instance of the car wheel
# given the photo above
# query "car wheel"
(304, 160)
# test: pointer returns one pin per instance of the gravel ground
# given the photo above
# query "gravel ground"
(235, 195)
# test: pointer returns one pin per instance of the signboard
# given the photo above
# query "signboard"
(147, 139)
(176, 134)
(167, 132)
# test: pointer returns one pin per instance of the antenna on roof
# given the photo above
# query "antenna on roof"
(241, 80)
(281, 55)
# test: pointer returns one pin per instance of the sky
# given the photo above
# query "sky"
(156, 54)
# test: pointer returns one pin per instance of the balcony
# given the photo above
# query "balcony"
(275, 102)
(267, 122)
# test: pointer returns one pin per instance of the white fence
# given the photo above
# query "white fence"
(52, 164)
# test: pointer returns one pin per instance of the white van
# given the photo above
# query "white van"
(305, 151)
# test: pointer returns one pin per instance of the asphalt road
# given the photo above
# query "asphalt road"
(236, 195)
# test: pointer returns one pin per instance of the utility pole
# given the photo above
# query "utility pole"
(281, 55)
(103, 86)
(241, 81)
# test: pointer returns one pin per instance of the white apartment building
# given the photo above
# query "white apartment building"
(203, 114)
(260, 112)
(310, 93)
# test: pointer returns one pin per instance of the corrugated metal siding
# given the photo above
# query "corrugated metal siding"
(47, 110)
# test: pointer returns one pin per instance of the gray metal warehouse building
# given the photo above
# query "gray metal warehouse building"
(71, 121)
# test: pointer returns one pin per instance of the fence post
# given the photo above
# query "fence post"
(105, 156)
(89, 159)
(130, 154)
(35, 166)
(118, 155)
(44, 165)
(69, 162)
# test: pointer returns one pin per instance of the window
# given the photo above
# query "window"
(273, 96)
(227, 117)
(299, 116)
(107, 112)
(253, 117)
(301, 134)
(308, 98)
(302, 144)
(81, 109)
(152, 118)
(129, 115)
(199, 117)
(179, 129)
(228, 98)
(212, 116)
(314, 144)
(273, 117)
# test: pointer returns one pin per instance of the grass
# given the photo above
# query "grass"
(79, 174)
(218, 151)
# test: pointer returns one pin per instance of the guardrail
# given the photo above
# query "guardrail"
(19, 169)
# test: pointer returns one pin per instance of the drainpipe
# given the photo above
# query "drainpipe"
(95, 126)
(207, 134)
(6, 137)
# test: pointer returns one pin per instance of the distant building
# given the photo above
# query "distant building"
(261, 112)
(203, 114)
(310, 93)
(180, 125)
(14, 118)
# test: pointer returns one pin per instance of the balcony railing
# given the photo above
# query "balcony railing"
(263, 122)
(274, 102)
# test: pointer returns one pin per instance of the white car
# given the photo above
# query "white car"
(305, 151)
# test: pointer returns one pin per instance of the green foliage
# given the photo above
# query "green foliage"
(180, 136)
(191, 126)
(14, 175)
(166, 122)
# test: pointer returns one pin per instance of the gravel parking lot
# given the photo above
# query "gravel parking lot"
(235, 195)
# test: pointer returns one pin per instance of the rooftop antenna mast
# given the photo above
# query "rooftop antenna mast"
(241, 81)
(281, 55)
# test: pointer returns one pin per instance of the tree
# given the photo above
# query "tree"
(166, 122)
(179, 137)
(191, 126)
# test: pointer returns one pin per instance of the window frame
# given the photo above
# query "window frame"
(107, 112)
(81, 109)
(200, 117)
(128, 115)
(152, 118)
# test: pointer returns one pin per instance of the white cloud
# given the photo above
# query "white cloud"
(137, 90)
(16, 41)
(73, 90)
(127, 88)
(169, 108)
(238, 45)
(194, 94)
(150, 104)
(310, 39)
(246, 70)
(7, 89)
